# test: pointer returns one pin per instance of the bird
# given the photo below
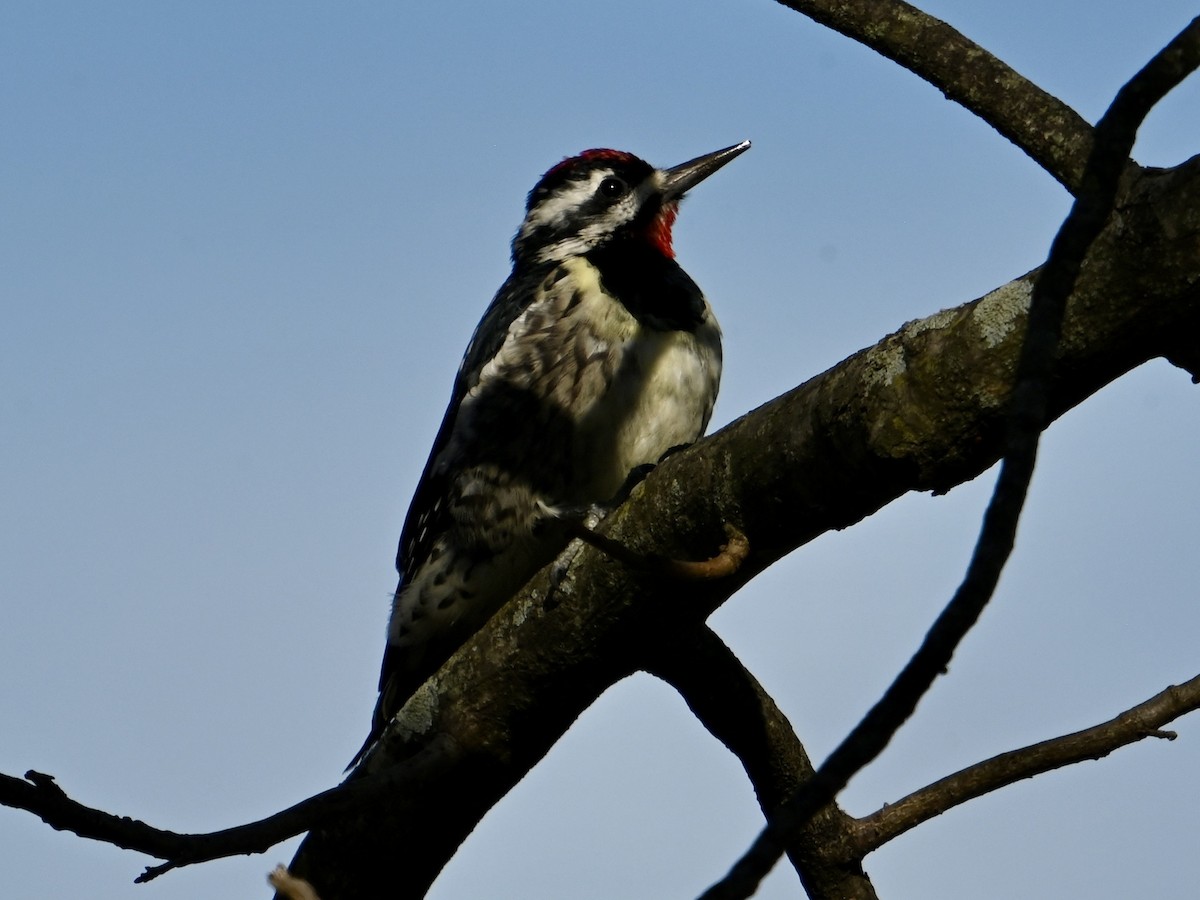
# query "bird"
(597, 355)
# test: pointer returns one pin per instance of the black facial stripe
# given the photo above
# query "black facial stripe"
(630, 170)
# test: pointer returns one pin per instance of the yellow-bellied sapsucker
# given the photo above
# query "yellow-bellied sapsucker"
(597, 355)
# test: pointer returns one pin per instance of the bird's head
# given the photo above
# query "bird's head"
(599, 196)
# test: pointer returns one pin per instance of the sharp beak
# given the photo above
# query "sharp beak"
(684, 177)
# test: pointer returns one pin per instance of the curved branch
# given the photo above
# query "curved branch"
(39, 794)
(735, 708)
(1055, 136)
(1142, 721)
(1028, 416)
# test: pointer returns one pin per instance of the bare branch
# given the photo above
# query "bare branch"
(1028, 416)
(1045, 128)
(735, 708)
(41, 795)
(1142, 721)
(921, 410)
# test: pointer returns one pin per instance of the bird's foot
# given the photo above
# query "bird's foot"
(725, 562)
(728, 559)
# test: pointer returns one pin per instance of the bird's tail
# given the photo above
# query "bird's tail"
(396, 684)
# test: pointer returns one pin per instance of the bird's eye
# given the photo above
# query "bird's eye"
(612, 188)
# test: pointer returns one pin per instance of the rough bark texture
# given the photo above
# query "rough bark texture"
(921, 410)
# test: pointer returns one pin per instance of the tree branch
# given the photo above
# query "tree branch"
(1055, 136)
(921, 410)
(1027, 418)
(1142, 721)
(733, 706)
(41, 795)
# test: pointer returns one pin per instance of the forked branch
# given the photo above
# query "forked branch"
(1029, 407)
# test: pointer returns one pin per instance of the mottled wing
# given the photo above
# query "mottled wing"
(421, 523)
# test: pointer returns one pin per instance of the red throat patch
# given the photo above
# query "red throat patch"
(658, 232)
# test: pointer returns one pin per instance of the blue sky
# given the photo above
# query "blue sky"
(242, 249)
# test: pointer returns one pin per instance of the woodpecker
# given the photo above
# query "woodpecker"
(597, 355)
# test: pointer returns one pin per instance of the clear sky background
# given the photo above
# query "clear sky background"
(242, 247)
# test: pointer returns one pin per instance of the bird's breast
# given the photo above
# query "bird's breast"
(587, 390)
(639, 390)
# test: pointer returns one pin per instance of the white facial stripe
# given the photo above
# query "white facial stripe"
(556, 209)
(572, 195)
(563, 250)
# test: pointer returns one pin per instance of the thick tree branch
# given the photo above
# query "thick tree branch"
(1028, 415)
(1142, 721)
(1049, 131)
(733, 706)
(921, 410)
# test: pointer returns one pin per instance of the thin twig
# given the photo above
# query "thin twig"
(1135, 724)
(1115, 134)
(39, 794)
